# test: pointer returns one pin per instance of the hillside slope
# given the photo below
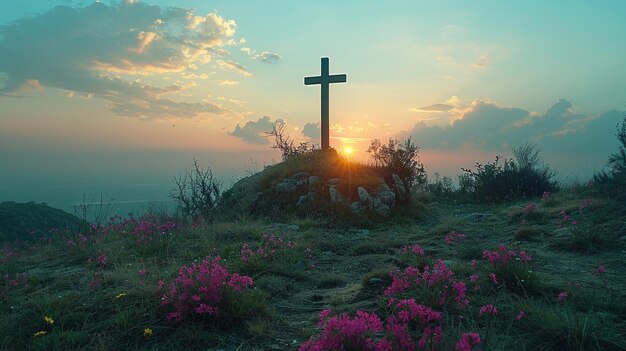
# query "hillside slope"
(117, 288)
(28, 221)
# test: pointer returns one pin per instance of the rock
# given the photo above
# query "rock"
(286, 186)
(363, 232)
(313, 180)
(336, 196)
(357, 207)
(305, 199)
(375, 281)
(386, 195)
(364, 196)
(398, 185)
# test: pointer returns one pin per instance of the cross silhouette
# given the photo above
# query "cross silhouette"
(324, 80)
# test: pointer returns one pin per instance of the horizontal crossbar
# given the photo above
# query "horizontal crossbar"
(335, 78)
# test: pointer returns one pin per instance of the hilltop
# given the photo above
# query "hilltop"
(107, 289)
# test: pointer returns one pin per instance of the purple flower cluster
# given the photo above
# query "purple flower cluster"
(198, 289)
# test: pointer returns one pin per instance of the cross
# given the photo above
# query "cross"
(324, 80)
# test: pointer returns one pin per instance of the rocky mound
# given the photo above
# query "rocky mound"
(315, 183)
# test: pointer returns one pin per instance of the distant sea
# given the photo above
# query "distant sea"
(111, 198)
(120, 208)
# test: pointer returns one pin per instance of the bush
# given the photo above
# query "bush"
(442, 187)
(208, 289)
(411, 326)
(615, 179)
(401, 158)
(525, 176)
(198, 193)
(284, 143)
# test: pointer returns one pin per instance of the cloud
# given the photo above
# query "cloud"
(433, 108)
(229, 64)
(265, 56)
(228, 82)
(254, 131)
(311, 130)
(487, 126)
(268, 57)
(99, 50)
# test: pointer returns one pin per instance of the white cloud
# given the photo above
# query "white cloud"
(265, 56)
(487, 126)
(229, 64)
(228, 82)
(255, 132)
(95, 51)
(311, 130)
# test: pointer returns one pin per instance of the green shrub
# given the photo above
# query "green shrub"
(400, 158)
(524, 176)
(615, 180)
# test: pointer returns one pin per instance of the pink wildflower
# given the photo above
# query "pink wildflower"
(323, 316)
(562, 296)
(102, 260)
(493, 278)
(488, 309)
(416, 249)
(468, 341)
(453, 237)
(520, 315)
(600, 270)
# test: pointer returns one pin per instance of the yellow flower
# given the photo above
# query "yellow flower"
(147, 332)
(48, 320)
(40, 333)
(121, 295)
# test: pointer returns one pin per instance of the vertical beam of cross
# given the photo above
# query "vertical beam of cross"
(324, 80)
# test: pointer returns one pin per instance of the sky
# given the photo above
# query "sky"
(119, 97)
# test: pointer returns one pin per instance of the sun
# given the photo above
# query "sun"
(348, 151)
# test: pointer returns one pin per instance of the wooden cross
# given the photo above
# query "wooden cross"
(324, 80)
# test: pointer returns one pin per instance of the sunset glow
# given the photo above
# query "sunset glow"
(127, 81)
(348, 151)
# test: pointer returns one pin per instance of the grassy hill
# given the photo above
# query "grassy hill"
(29, 221)
(545, 273)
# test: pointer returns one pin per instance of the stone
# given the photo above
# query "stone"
(286, 186)
(364, 196)
(305, 199)
(399, 187)
(376, 281)
(357, 207)
(363, 232)
(386, 195)
(313, 180)
(336, 196)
